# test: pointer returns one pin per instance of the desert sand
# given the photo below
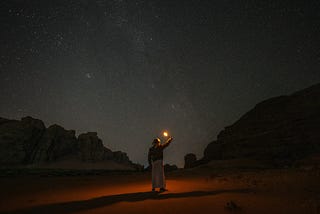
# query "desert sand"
(189, 191)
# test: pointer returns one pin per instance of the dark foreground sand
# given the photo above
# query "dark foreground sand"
(191, 191)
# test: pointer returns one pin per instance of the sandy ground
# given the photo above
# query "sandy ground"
(191, 191)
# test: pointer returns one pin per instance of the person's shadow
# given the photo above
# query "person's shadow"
(76, 206)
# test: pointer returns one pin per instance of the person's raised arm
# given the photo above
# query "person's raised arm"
(167, 143)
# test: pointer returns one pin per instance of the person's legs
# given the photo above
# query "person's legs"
(153, 176)
(163, 183)
(157, 175)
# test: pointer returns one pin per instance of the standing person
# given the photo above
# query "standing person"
(155, 158)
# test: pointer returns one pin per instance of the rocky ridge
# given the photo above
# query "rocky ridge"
(29, 143)
(280, 130)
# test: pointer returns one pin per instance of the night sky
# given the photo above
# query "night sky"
(129, 69)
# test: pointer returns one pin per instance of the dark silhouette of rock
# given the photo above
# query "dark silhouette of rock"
(190, 160)
(120, 157)
(29, 143)
(281, 129)
(92, 149)
(213, 151)
(169, 168)
(18, 140)
(55, 144)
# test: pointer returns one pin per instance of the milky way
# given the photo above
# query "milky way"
(131, 69)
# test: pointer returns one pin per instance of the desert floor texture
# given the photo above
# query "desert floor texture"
(189, 191)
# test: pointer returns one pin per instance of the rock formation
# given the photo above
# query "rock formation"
(29, 143)
(91, 148)
(190, 160)
(281, 130)
(55, 144)
(18, 139)
(170, 168)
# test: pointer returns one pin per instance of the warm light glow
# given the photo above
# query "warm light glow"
(165, 134)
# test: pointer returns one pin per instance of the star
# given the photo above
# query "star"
(89, 75)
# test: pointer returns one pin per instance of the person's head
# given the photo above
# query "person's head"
(156, 142)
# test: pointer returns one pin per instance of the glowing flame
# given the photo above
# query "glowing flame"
(165, 134)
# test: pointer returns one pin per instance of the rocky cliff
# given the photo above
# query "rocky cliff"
(29, 143)
(281, 130)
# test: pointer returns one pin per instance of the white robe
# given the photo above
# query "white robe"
(158, 179)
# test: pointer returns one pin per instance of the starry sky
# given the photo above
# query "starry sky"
(129, 69)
